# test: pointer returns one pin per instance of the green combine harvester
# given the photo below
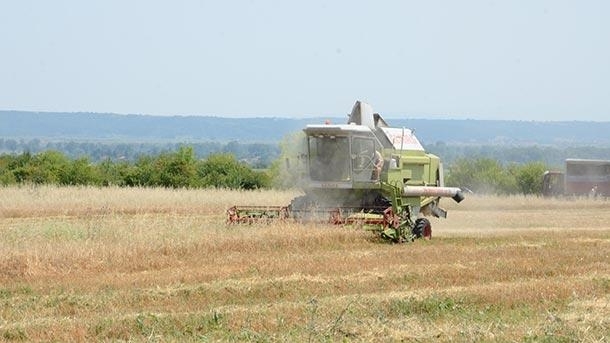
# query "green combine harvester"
(363, 172)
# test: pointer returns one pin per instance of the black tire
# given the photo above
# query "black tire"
(422, 228)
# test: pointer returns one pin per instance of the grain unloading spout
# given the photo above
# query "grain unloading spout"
(443, 192)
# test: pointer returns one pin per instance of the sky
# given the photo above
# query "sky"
(546, 60)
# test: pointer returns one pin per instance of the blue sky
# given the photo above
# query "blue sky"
(523, 60)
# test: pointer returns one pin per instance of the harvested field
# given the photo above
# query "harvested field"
(112, 264)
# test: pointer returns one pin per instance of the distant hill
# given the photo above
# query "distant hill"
(115, 127)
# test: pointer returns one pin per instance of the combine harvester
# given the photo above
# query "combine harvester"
(582, 177)
(363, 172)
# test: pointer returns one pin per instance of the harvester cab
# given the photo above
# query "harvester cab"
(369, 173)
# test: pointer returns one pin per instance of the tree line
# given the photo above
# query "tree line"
(182, 169)
(178, 169)
(257, 155)
(552, 155)
(262, 155)
(489, 176)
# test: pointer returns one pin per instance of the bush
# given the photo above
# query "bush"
(224, 171)
(179, 169)
(80, 173)
(488, 176)
(529, 177)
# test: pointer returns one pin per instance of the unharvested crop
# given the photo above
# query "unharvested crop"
(108, 264)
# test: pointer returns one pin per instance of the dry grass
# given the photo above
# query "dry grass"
(83, 264)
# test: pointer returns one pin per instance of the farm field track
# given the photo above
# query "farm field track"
(120, 264)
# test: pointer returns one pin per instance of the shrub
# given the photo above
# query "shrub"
(179, 169)
(488, 176)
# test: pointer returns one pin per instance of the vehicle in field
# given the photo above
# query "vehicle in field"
(362, 172)
(581, 177)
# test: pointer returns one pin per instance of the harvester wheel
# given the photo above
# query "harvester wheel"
(422, 228)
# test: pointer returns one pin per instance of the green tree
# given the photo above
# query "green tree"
(114, 173)
(481, 175)
(6, 173)
(529, 177)
(80, 173)
(224, 171)
(44, 168)
(20, 167)
(141, 174)
(177, 169)
(50, 166)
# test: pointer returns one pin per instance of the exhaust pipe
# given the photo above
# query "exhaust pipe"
(444, 192)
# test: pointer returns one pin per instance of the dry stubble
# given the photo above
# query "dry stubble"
(154, 264)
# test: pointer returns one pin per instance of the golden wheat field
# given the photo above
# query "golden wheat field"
(113, 264)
